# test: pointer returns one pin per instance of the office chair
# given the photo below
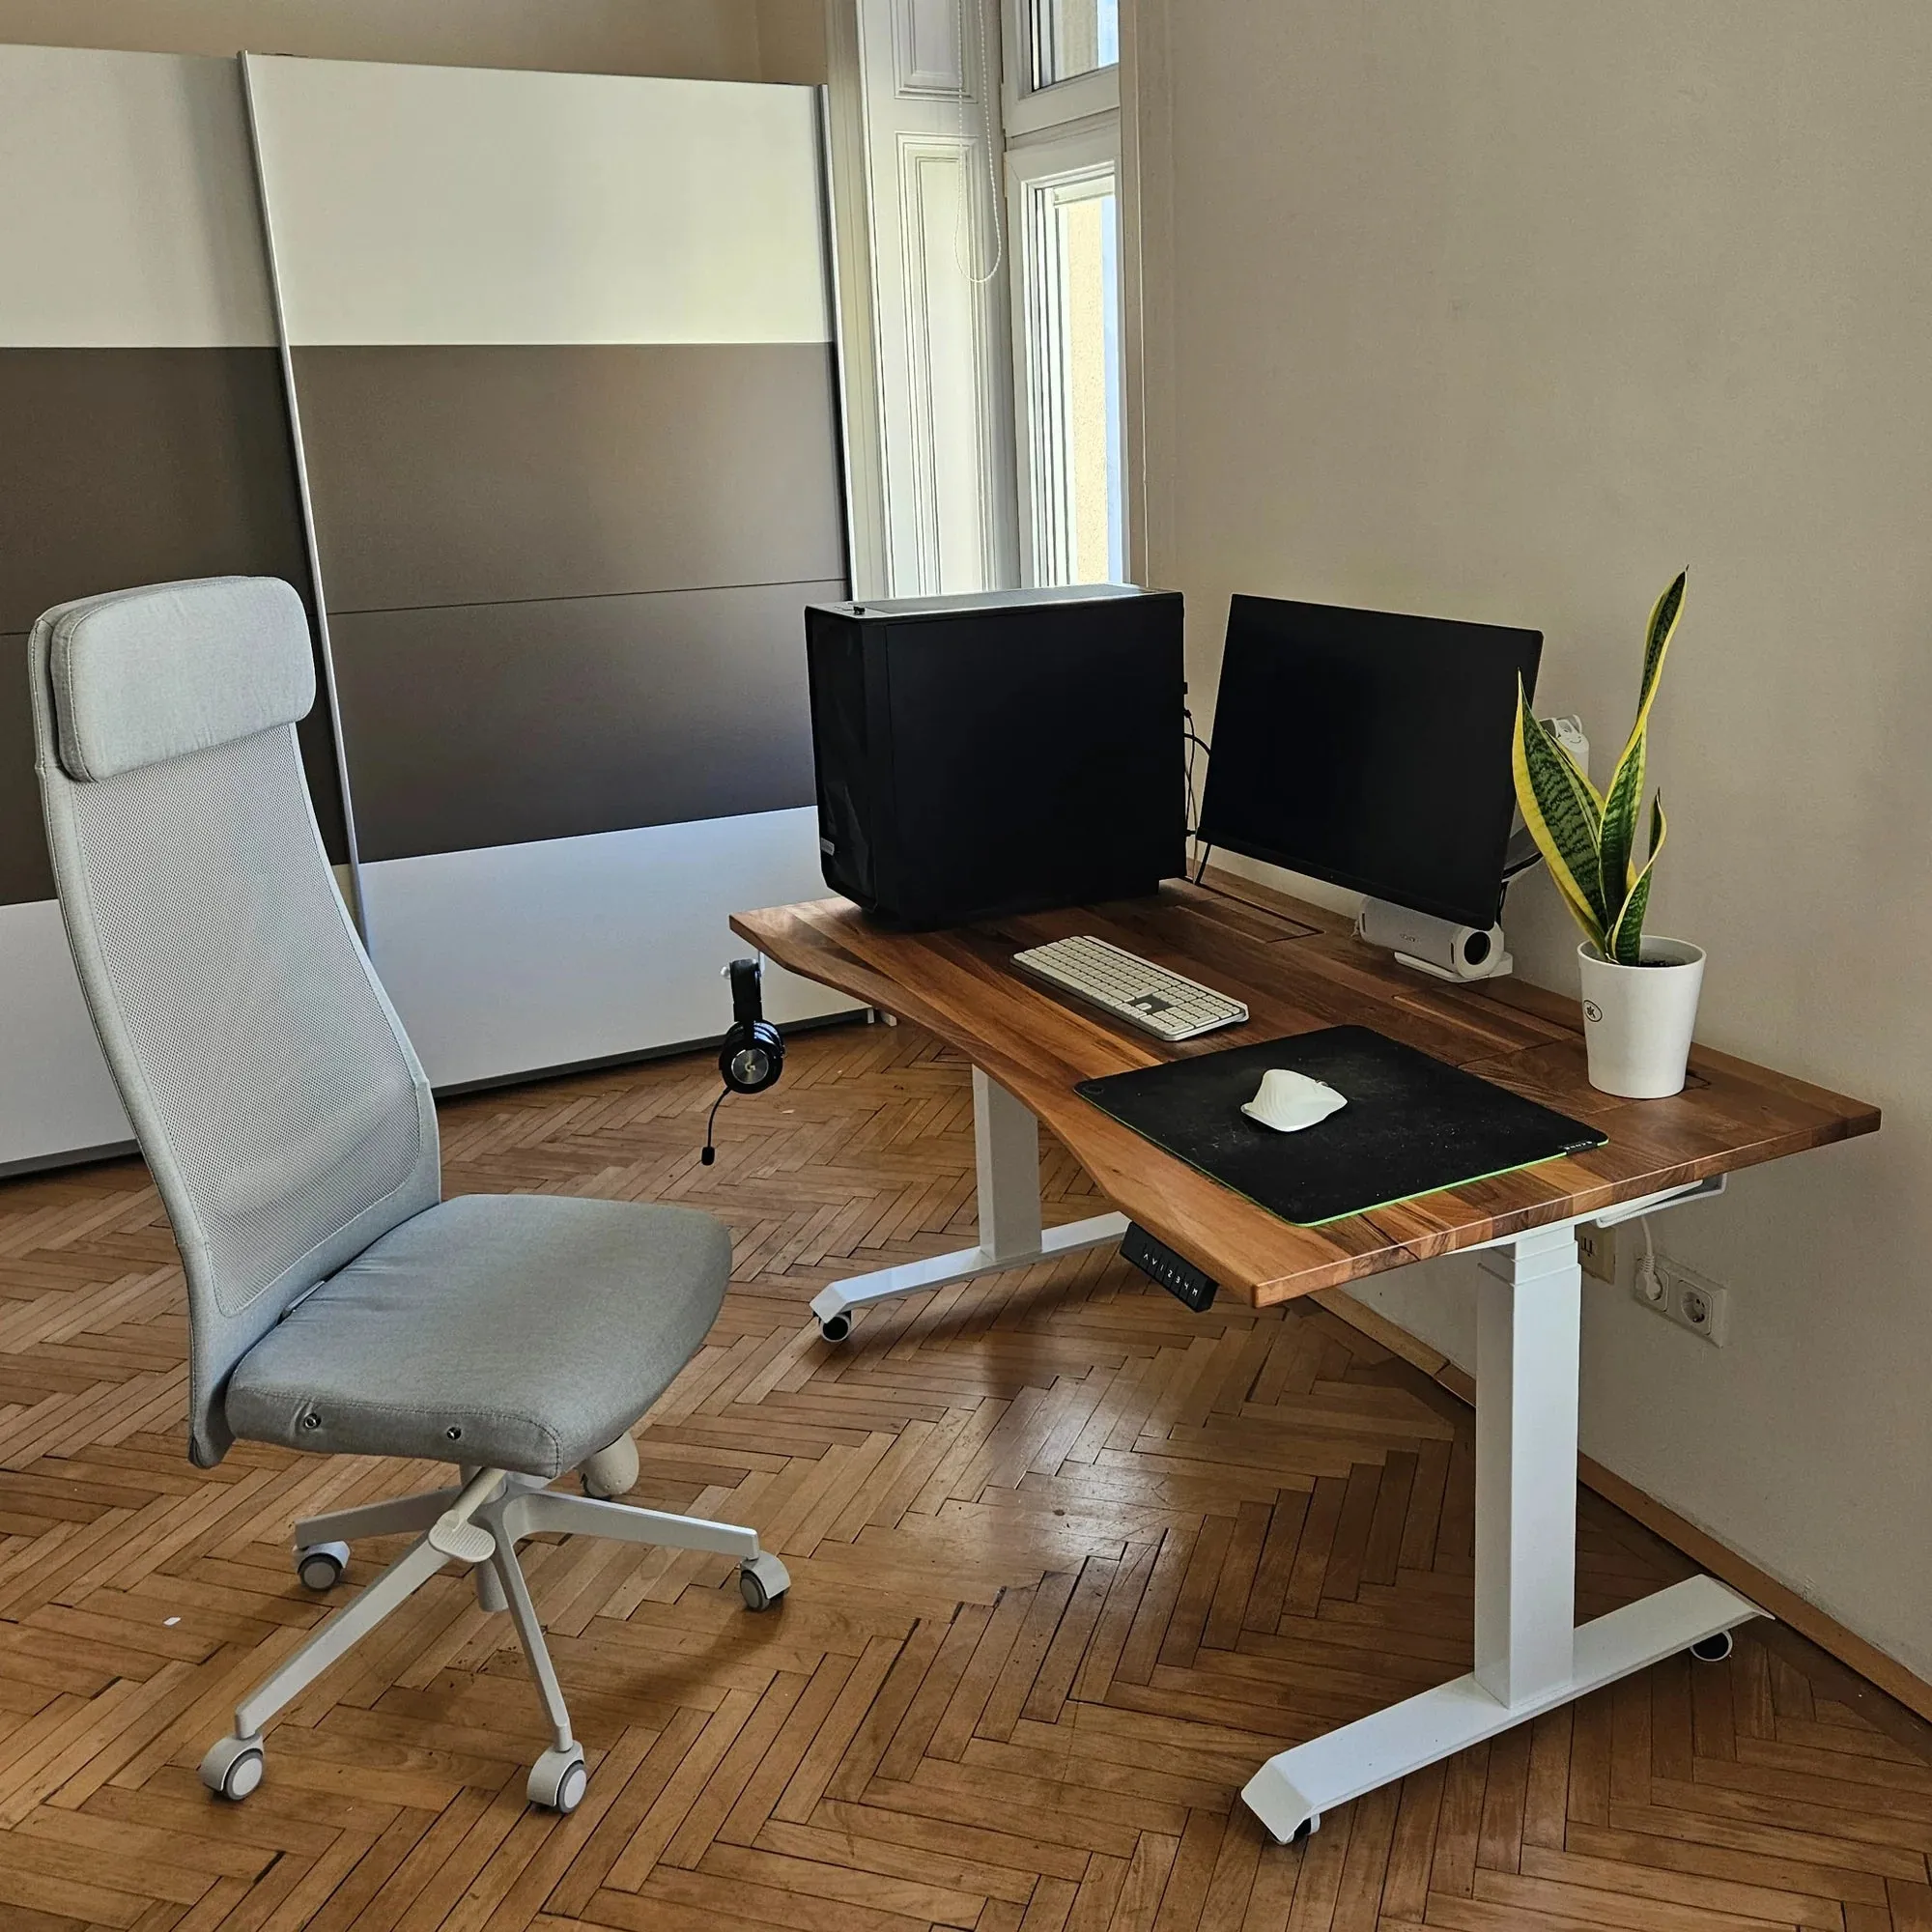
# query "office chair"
(336, 1303)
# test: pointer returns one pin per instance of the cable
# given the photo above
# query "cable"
(1193, 817)
(709, 1155)
(1201, 870)
(1194, 742)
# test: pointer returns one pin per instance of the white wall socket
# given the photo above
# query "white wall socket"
(1683, 1295)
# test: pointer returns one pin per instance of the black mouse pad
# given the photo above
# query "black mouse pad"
(1412, 1125)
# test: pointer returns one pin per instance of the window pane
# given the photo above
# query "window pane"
(1073, 37)
(1073, 352)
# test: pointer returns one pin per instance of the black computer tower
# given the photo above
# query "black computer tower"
(1000, 753)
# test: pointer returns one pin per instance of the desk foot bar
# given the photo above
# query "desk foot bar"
(830, 1304)
(1291, 1791)
(1006, 1145)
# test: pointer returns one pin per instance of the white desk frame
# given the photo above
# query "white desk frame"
(1530, 1653)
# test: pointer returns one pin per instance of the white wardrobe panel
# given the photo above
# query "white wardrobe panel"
(128, 218)
(518, 958)
(56, 1096)
(459, 205)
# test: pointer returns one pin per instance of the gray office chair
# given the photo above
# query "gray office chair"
(336, 1303)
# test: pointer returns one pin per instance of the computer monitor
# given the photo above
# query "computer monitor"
(1370, 749)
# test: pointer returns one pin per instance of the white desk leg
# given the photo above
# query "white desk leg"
(1006, 1145)
(1529, 1655)
(1528, 1326)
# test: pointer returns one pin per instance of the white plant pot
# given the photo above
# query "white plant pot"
(1637, 1020)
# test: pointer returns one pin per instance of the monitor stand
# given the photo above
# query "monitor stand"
(1437, 946)
(1500, 964)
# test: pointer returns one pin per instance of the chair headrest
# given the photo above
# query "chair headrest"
(142, 675)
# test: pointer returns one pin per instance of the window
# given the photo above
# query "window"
(1071, 38)
(1063, 172)
(983, 241)
(1067, 285)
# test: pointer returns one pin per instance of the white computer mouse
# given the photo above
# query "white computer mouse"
(1289, 1101)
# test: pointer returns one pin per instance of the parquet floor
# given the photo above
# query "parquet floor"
(1069, 1562)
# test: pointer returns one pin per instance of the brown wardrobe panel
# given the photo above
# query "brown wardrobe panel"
(492, 724)
(137, 465)
(26, 872)
(489, 474)
(121, 467)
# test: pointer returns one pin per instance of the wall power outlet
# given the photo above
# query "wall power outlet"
(1683, 1295)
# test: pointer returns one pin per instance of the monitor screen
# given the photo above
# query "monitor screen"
(1370, 749)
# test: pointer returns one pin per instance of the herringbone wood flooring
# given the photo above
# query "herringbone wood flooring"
(1069, 1562)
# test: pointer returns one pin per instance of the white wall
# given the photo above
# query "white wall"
(1504, 310)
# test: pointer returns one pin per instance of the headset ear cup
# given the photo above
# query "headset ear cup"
(751, 1057)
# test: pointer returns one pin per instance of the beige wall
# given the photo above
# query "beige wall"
(1504, 309)
(713, 40)
(791, 40)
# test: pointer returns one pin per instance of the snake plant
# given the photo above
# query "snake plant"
(1589, 838)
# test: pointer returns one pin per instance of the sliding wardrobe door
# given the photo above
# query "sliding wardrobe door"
(143, 437)
(562, 357)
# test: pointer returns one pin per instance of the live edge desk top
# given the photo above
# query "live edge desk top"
(1298, 967)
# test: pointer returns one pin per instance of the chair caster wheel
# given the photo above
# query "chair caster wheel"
(1712, 1649)
(762, 1580)
(835, 1327)
(558, 1779)
(1307, 1829)
(233, 1768)
(321, 1565)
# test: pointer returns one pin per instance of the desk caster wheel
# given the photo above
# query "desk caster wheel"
(1306, 1830)
(762, 1580)
(558, 1781)
(233, 1768)
(1712, 1649)
(834, 1327)
(321, 1565)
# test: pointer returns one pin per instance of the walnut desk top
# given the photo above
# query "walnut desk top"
(1297, 968)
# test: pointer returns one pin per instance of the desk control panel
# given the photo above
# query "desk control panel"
(1175, 1273)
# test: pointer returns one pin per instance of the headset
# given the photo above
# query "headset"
(751, 1055)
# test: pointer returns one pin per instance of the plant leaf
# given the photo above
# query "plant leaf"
(1617, 845)
(1624, 801)
(1625, 945)
(1664, 616)
(1564, 814)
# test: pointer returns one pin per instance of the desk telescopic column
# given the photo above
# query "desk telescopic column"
(1530, 1655)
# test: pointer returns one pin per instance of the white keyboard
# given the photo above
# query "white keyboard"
(1144, 995)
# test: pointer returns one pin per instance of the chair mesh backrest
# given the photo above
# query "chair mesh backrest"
(284, 1116)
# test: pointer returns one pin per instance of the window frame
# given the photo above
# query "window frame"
(1050, 132)
(1034, 170)
(1030, 110)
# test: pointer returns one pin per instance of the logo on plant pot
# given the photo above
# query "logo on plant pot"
(1592, 1011)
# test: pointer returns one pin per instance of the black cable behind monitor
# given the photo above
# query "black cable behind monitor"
(1194, 742)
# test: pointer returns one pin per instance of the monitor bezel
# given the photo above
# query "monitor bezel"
(1252, 849)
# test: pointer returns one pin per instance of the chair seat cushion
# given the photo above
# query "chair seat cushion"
(513, 1332)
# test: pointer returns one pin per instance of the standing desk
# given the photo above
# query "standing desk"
(1299, 968)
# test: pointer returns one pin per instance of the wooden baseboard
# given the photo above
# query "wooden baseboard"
(1704, 1549)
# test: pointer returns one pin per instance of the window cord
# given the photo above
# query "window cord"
(961, 207)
